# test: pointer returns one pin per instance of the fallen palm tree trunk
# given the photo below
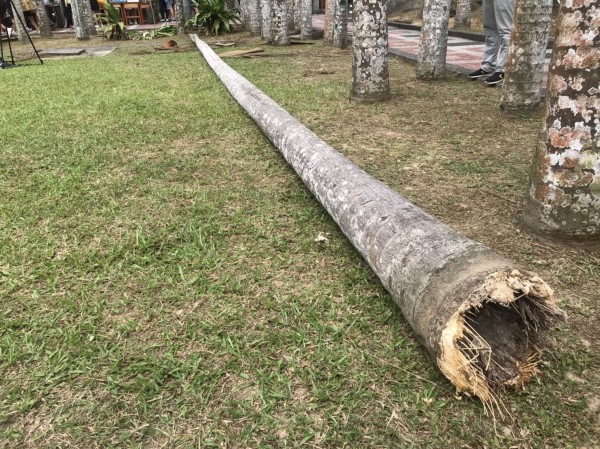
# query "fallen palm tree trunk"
(478, 315)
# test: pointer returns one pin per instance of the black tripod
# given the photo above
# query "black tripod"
(5, 64)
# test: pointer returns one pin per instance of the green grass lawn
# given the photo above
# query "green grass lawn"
(161, 286)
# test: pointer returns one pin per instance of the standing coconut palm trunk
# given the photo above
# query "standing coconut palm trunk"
(180, 16)
(370, 76)
(265, 24)
(328, 21)
(306, 28)
(279, 23)
(19, 20)
(431, 62)
(462, 19)
(563, 201)
(253, 19)
(526, 56)
(340, 24)
(79, 20)
(43, 21)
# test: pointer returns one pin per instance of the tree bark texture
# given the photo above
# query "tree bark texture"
(431, 61)
(370, 76)
(88, 16)
(279, 23)
(471, 309)
(328, 21)
(563, 201)
(43, 21)
(297, 14)
(291, 15)
(340, 24)
(253, 20)
(180, 15)
(306, 27)
(266, 11)
(18, 12)
(462, 19)
(526, 56)
(81, 27)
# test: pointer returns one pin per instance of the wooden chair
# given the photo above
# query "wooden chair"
(131, 13)
(144, 9)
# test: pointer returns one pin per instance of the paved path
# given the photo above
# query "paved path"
(463, 55)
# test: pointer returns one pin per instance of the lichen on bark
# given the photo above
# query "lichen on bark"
(563, 201)
(431, 61)
(370, 75)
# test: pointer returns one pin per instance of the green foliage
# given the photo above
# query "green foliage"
(113, 27)
(163, 31)
(213, 16)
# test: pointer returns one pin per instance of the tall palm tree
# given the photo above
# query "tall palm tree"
(431, 62)
(279, 23)
(526, 55)
(340, 24)
(43, 21)
(82, 30)
(462, 19)
(265, 23)
(563, 201)
(306, 27)
(253, 19)
(370, 76)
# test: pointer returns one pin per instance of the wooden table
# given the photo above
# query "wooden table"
(138, 7)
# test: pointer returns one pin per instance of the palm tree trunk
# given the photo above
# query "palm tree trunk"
(306, 27)
(370, 76)
(431, 62)
(19, 24)
(526, 56)
(477, 316)
(279, 23)
(340, 24)
(43, 21)
(328, 21)
(81, 27)
(462, 19)
(253, 21)
(266, 11)
(563, 201)
(291, 15)
(180, 16)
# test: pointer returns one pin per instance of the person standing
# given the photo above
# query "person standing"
(497, 24)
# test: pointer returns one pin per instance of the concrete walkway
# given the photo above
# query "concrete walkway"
(462, 56)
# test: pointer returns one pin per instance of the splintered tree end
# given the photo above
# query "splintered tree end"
(490, 342)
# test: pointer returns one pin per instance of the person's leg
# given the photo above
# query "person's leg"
(504, 10)
(492, 37)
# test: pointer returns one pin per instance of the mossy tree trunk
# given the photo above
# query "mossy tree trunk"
(180, 16)
(477, 316)
(526, 56)
(563, 201)
(431, 61)
(370, 75)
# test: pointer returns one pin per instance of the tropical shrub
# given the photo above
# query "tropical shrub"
(113, 27)
(213, 16)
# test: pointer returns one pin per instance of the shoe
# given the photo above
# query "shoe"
(495, 78)
(479, 73)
